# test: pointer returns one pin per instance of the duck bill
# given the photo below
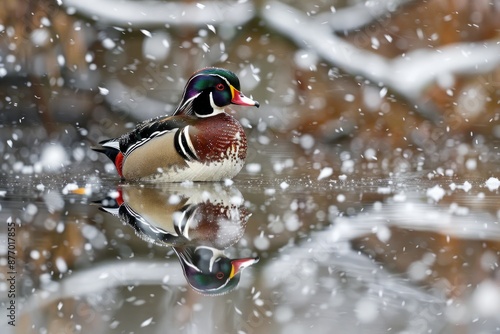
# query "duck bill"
(239, 264)
(242, 100)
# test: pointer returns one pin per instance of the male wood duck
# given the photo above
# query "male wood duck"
(198, 225)
(199, 142)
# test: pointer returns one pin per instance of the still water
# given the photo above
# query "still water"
(406, 253)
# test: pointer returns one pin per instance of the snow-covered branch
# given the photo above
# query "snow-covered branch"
(407, 75)
(360, 14)
(144, 14)
(106, 276)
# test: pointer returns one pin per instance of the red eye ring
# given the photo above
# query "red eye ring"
(219, 86)
(219, 275)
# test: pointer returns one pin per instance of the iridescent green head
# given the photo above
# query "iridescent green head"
(211, 89)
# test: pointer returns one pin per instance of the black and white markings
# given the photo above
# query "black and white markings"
(183, 144)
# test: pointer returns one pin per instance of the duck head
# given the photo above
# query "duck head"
(211, 89)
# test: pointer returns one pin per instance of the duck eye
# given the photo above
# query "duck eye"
(219, 275)
(219, 86)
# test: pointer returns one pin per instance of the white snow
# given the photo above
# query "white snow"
(435, 193)
(399, 197)
(347, 166)
(261, 242)
(146, 32)
(492, 183)
(108, 43)
(384, 190)
(146, 322)
(61, 265)
(174, 199)
(349, 98)
(283, 313)
(253, 168)
(306, 141)
(269, 191)
(103, 91)
(306, 59)
(486, 299)
(383, 233)
(40, 37)
(418, 270)
(372, 97)
(53, 157)
(489, 261)
(466, 186)
(325, 172)
(279, 166)
(366, 310)
(292, 222)
(34, 254)
(211, 28)
(53, 201)
(471, 164)
(157, 45)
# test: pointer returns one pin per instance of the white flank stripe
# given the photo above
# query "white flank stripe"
(189, 142)
(179, 139)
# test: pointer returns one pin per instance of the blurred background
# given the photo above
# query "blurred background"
(372, 175)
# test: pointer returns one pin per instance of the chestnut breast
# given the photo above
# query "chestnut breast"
(219, 138)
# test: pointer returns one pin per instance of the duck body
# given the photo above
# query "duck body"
(179, 148)
(199, 142)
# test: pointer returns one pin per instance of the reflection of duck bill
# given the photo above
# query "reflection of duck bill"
(239, 264)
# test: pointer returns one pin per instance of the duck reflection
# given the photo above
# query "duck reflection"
(197, 221)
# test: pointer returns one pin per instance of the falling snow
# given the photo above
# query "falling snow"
(370, 190)
(253, 168)
(493, 183)
(146, 322)
(325, 172)
(435, 193)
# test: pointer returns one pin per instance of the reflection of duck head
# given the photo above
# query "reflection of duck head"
(198, 222)
(209, 271)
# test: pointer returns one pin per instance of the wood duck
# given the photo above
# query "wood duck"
(199, 142)
(198, 224)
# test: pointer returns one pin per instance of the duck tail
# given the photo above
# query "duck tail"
(111, 148)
